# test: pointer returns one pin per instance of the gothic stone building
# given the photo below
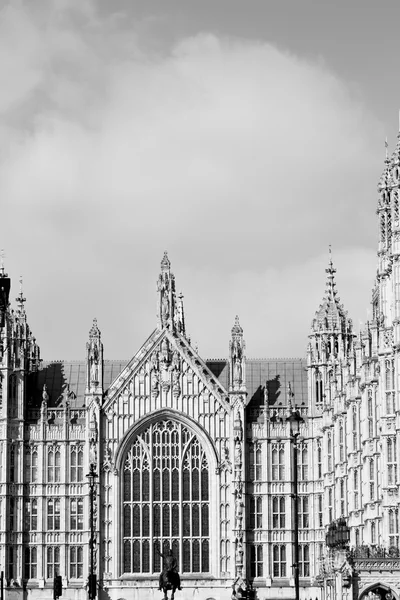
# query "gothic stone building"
(195, 455)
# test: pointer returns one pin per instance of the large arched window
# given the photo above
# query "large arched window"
(165, 500)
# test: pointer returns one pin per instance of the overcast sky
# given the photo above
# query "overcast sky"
(241, 137)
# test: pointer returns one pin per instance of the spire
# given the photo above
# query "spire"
(170, 307)
(237, 329)
(94, 331)
(165, 263)
(331, 314)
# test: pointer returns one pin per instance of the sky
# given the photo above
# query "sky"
(243, 138)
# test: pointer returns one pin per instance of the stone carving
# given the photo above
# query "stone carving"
(94, 362)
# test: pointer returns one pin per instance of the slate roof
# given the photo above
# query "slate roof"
(271, 374)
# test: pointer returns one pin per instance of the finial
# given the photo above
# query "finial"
(94, 331)
(398, 135)
(386, 150)
(165, 263)
(237, 329)
(20, 298)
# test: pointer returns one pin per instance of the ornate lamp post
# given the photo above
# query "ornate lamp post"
(92, 475)
(294, 420)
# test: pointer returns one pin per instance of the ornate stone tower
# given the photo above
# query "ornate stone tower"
(330, 346)
(19, 357)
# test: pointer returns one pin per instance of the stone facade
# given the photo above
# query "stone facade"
(195, 455)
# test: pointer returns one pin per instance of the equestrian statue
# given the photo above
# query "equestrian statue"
(169, 576)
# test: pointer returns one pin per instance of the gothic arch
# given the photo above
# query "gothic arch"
(139, 457)
(157, 415)
(382, 586)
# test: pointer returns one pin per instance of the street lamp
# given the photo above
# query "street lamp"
(294, 420)
(92, 475)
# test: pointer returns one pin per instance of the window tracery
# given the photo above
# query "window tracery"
(166, 500)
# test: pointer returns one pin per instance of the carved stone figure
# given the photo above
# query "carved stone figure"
(94, 363)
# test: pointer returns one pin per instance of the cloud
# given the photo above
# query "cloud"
(241, 159)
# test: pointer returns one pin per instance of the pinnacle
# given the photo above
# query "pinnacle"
(165, 263)
(20, 299)
(94, 331)
(331, 312)
(237, 329)
(2, 271)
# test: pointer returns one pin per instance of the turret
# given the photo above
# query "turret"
(170, 311)
(331, 339)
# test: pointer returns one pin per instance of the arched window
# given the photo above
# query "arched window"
(373, 533)
(370, 414)
(357, 537)
(355, 488)
(165, 500)
(30, 562)
(393, 528)
(341, 441)
(319, 391)
(76, 464)
(302, 461)
(329, 450)
(371, 479)
(391, 461)
(355, 434)
(278, 512)
(279, 561)
(319, 459)
(53, 465)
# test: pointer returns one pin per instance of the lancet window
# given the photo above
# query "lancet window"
(393, 527)
(389, 385)
(341, 441)
(256, 560)
(31, 514)
(53, 465)
(391, 461)
(31, 562)
(255, 462)
(319, 390)
(278, 462)
(302, 461)
(329, 451)
(31, 464)
(319, 459)
(304, 560)
(355, 489)
(278, 512)
(255, 512)
(76, 562)
(76, 464)
(279, 560)
(370, 409)
(166, 500)
(53, 561)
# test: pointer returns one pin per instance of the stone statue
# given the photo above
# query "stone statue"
(94, 363)
(169, 576)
